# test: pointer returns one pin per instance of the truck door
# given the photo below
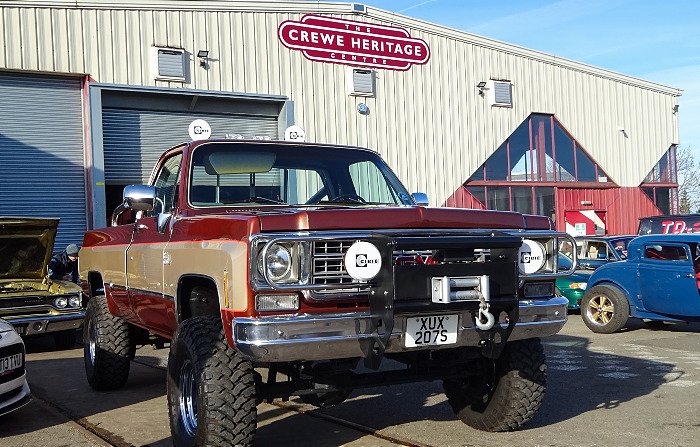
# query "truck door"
(144, 258)
(667, 281)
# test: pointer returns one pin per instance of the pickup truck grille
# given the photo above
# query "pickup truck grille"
(327, 262)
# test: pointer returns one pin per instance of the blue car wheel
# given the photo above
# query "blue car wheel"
(604, 309)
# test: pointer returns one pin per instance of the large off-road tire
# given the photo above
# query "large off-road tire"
(604, 309)
(211, 388)
(107, 346)
(507, 394)
(64, 339)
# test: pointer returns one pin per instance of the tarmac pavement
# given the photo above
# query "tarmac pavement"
(634, 388)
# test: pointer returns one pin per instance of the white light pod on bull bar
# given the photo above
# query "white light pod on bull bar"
(531, 257)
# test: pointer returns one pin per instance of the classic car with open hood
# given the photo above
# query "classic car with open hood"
(29, 300)
(259, 260)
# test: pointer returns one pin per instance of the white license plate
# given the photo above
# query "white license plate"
(431, 330)
(10, 363)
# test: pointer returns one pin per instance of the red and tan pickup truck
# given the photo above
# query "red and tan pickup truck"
(260, 260)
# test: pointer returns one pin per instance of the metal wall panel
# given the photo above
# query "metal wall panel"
(429, 122)
(42, 171)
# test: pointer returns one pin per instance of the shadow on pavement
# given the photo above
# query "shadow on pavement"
(581, 378)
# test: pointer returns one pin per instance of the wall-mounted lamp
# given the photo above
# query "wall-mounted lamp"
(481, 86)
(586, 202)
(203, 55)
(363, 109)
(675, 108)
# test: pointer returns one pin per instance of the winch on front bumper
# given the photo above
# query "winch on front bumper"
(472, 290)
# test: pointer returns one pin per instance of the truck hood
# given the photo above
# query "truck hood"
(295, 219)
(26, 246)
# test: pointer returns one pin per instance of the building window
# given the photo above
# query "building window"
(661, 184)
(521, 175)
(540, 150)
(498, 198)
(544, 201)
(665, 169)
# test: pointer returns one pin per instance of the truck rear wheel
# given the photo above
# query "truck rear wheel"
(507, 394)
(211, 388)
(107, 346)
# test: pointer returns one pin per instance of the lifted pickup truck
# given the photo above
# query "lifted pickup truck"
(278, 270)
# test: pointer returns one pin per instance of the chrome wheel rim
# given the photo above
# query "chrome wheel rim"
(188, 398)
(92, 346)
(601, 310)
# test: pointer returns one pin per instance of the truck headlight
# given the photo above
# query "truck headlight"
(61, 302)
(284, 263)
(277, 262)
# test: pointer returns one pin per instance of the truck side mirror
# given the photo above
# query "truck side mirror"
(137, 198)
(420, 199)
(140, 197)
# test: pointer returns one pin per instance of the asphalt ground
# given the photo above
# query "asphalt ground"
(638, 387)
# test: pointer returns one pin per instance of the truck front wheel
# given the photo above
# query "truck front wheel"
(107, 346)
(211, 388)
(506, 394)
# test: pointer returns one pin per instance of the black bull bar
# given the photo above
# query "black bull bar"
(405, 289)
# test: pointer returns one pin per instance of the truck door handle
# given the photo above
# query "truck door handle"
(689, 275)
(141, 227)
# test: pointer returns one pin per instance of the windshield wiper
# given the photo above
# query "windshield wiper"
(258, 199)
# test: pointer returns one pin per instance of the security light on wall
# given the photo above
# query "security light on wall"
(481, 86)
(203, 55)
(675, 108)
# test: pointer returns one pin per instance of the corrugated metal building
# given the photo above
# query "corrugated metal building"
(93, 91)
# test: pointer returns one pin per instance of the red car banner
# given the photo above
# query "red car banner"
(349, 42)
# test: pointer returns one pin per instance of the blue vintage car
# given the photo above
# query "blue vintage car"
(657, 281)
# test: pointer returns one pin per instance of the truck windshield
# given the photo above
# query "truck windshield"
(240, 174)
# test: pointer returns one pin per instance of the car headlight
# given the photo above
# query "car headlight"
(74, 301)
(578, 285)
(61, 302)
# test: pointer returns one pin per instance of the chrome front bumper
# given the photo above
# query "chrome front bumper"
(46, 323)
(346, 335)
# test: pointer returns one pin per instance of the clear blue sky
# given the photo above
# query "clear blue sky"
(654, 40)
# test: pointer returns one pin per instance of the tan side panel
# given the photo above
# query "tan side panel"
(108, 260)
(145, 266)
(214, 259)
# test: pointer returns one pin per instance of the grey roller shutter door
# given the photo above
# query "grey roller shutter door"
(134, 139)
(42, 168)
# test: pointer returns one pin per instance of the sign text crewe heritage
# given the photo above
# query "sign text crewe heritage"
(338, 41)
